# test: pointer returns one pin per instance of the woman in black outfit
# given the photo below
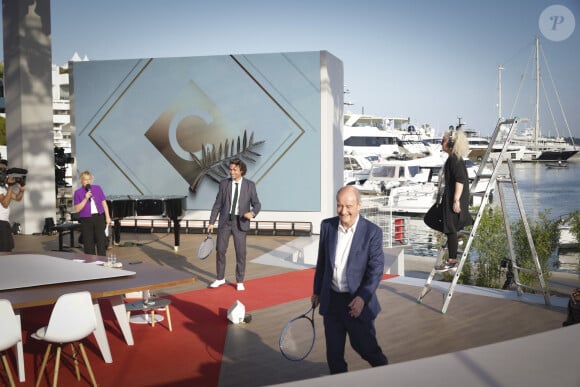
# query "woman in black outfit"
(455, 200)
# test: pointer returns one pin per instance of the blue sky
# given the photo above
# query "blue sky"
(432, 61)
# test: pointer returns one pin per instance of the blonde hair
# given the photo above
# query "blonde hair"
(460, 143)
(85, 174)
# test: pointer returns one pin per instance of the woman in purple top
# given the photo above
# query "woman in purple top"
(91, 205)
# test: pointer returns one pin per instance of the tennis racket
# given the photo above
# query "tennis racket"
(298, 336)
(206, 247)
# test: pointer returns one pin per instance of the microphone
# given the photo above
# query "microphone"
(87, 189)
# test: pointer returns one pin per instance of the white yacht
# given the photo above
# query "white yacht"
(416, 197)
(369, 141)
(356, 169)
(385, 137)
(412, 198)
(389, 173)
(478, 145)
(541, 148)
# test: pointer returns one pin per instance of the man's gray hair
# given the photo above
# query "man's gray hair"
(352, 189)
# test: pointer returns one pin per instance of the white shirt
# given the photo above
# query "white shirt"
(4, 211)
(239, 183)
(93, 206)
(343, 244)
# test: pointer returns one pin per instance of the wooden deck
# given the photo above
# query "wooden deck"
(406, 330)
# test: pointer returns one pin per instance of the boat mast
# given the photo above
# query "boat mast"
(537, 123)
(499, 69)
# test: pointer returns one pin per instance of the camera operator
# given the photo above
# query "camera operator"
(12, 183)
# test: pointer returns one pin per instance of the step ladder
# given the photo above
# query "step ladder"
(497, 180)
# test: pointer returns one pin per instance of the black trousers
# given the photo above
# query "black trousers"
(6, 238)
(362, 335)
(452, 244)
(93, 234)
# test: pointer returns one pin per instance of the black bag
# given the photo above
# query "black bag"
(573, 308)
(434, 217)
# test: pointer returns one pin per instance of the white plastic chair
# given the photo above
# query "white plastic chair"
(10, 334)
(71, 320)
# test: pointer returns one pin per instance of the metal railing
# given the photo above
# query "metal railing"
(377, 210)
(191, 226)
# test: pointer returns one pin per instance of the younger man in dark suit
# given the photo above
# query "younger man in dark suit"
(348, 271)
(236, 203)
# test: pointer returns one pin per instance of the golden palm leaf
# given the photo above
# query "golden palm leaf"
(215, 160)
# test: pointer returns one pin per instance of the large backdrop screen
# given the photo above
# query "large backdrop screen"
(166, 126)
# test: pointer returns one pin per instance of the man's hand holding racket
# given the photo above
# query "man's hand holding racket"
(315, 300)
(206, 246)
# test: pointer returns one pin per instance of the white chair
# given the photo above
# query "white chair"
(71, 320)
(10, 334)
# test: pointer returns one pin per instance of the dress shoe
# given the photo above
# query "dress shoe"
(240, 286)
(217, 283)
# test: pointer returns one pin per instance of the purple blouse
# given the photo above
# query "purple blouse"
(98, 197)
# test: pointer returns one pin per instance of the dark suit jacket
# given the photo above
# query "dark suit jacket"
(365, 265)
(247, 201)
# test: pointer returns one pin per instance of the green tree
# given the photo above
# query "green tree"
(545, 234)
(489, 253)
(575, 224)
(490, 248)
(3, 132)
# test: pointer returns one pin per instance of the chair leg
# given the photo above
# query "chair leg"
(76, 361)
(152, 317)
(168, 318)
(7, 368)
(43, 365)
(56, 366)
(86, 359)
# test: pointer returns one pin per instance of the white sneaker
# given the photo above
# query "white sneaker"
(217, 283)
(240, 287)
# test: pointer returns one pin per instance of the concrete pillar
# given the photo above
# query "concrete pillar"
(28, 95)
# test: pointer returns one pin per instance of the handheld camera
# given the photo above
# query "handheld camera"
(15, 175)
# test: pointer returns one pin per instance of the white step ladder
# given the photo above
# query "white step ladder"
(494, 178)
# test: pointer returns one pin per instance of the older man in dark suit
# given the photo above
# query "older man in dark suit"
(348, 271)
(236, 203)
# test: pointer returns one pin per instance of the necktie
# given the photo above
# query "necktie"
(234, 204)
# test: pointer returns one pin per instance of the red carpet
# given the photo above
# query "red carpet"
(189, 356)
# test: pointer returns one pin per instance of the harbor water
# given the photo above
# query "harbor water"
(540, 188)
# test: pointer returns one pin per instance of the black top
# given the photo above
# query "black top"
(455, 172)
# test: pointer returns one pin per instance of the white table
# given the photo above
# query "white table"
(44, 280)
